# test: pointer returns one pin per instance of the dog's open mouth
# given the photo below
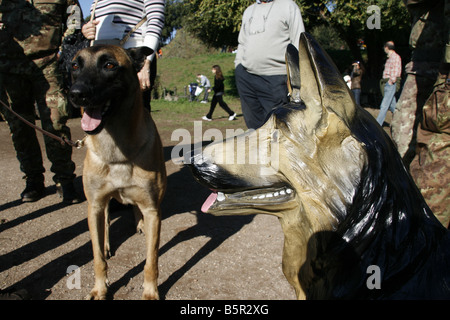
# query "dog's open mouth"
(92, 119)
(264, 199)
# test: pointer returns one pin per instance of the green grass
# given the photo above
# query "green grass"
(182, 114)
(175, 72)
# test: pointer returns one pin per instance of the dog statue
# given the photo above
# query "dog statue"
(124, 159)
(355, 224)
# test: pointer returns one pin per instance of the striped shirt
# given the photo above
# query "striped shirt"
(393, 67)
(117, 17)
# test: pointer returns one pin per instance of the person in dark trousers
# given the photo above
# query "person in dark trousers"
(268, 26)
(219, 89)
(31, 34)
(356, 76)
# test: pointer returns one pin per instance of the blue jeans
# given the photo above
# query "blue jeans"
(388, 102)
(357, 95)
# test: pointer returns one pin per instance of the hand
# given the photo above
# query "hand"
(89, 29)
(144, 76)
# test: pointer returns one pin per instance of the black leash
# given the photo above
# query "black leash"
(78, 144)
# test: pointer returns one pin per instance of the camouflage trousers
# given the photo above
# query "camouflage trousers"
(425, 152)
(41, 88)
(408, 114)
(431, 172)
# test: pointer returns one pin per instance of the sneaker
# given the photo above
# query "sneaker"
(33, 191)
(206, 118)
(68, 193)
(231, 118)
(203, 101)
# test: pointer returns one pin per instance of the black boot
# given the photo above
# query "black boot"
(34, 191)
(21, 294)
(68, 193)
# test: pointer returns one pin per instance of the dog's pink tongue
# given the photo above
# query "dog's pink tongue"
(209, 202)
(91, 119)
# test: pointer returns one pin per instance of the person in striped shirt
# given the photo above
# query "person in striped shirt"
(113, 19)
(392, 73)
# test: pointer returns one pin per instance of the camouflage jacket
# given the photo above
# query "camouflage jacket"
(430, 33)
(32, 31)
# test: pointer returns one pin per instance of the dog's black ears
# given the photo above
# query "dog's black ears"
(138, 56)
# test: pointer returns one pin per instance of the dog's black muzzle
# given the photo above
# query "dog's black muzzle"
(80, 94)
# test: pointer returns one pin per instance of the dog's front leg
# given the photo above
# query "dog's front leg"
(97, 225)
(294, 251)
(152, 226)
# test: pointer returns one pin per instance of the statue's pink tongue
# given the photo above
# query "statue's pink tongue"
(91, 119)
(209, 202)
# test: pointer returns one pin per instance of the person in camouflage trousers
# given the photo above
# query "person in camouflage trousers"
(430, 167)
(31, 32)
(425, 148)
(427, 40)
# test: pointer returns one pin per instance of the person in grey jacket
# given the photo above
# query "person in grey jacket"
(268, 26)
(204, 83)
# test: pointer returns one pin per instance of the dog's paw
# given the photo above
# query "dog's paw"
(150, 291)
(98, 293)
(95, 295)
(150, 296)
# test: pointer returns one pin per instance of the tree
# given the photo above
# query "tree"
(216, 22)
(349, 18)
(328, 37)
(175, 13)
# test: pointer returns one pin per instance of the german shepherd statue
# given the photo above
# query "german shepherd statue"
(355, 224)
(124, 158)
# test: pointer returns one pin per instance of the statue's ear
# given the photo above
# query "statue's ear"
(322, 85)
(293, 73)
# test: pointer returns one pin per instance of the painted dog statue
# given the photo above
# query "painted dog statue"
(354, 222)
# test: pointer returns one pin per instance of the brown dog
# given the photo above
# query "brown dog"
(355, 224)
(124, 159)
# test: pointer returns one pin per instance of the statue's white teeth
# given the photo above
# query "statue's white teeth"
(220, 196)
(273, 194)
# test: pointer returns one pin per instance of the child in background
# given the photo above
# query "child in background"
(219, 89)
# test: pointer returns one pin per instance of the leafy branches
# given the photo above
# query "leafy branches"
(217, 22)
